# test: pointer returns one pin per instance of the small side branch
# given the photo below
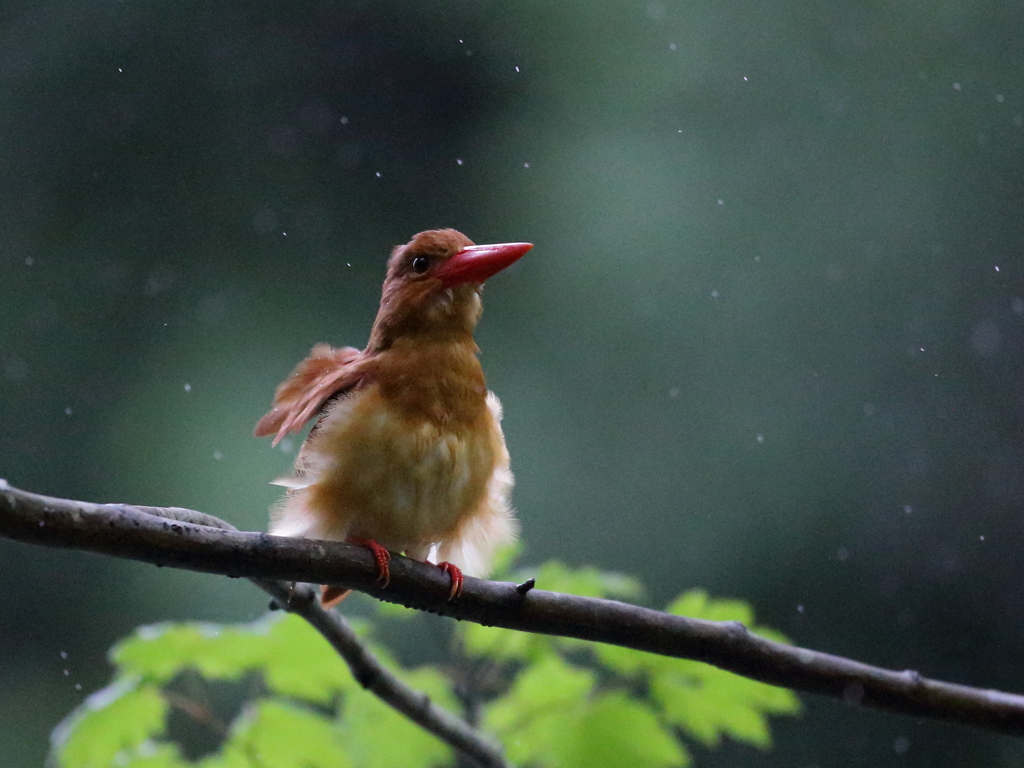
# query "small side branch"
(379, 680)
(180, 538)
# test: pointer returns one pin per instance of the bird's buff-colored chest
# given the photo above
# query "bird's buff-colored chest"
(402, 461)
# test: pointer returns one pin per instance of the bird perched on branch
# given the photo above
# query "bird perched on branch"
(406, 453)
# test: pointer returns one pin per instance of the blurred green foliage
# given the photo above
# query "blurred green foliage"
(560, 703)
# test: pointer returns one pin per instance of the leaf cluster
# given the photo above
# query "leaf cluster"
(553, 702)
(575, 703)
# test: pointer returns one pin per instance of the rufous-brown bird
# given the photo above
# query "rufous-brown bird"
(407, 453)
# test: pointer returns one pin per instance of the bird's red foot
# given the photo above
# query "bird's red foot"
(456, 573)
(380, 555)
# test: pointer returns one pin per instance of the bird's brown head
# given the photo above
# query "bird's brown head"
(433, 285)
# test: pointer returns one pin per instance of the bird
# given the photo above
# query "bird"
(406, 453)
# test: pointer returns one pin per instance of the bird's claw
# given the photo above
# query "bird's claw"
(381, 557)
(456, 574)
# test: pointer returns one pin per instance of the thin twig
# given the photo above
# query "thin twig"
(131, 532)
(377, 679)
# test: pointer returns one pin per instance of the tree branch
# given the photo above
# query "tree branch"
(180, 538)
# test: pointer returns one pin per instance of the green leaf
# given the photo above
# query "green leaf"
(698, 605)
(540, 706)
(294, 658)
(548, 718)
(152, 754)
(624, 661)
(158, 652)
(376, 736)
(273, 733)
(299, 662)
(616, 730)
(116, 719)
(703, 700)
(503, 644)
(541, 689)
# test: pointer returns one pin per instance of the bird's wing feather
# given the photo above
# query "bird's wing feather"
(325, 373)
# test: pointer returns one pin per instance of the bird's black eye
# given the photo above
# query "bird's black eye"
(420, 264)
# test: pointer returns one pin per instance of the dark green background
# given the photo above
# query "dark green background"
(769, 341)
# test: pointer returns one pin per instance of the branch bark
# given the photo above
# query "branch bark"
(191, 540)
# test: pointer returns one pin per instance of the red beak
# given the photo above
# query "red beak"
(476, 263)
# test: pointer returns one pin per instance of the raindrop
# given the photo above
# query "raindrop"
(377, 174)
(900, 745)
(63, 654)
(29, 261)
(188, 387)
(526, 165)
(843, 554)
(344, 121)
(67, 411)
(760, 438)
(674, 392)
(218, 455)
(714, 294)
(459, 161)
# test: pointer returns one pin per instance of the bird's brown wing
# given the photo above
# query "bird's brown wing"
(325, 373)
